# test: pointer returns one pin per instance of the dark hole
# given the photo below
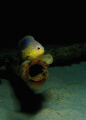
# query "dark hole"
(35, 70)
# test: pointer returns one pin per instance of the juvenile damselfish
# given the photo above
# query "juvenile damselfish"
(29, 48)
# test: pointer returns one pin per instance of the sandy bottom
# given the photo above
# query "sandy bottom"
(64, 96)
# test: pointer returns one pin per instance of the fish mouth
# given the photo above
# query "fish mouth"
(42, 51)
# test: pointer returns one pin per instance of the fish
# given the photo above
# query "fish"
(29, 48)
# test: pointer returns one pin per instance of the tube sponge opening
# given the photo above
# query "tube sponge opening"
(35, 70)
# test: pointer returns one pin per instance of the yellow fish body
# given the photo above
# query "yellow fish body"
(30, 49)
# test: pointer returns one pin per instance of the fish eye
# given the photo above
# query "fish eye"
(38, 48)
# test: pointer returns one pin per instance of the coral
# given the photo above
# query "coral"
(33, 73)
(48, 59)
(69, 54)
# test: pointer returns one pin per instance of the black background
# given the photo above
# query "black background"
(53, 25)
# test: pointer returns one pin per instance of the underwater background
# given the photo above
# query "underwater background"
(63, 96)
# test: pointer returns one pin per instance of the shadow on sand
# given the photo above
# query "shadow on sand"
(29, 101)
